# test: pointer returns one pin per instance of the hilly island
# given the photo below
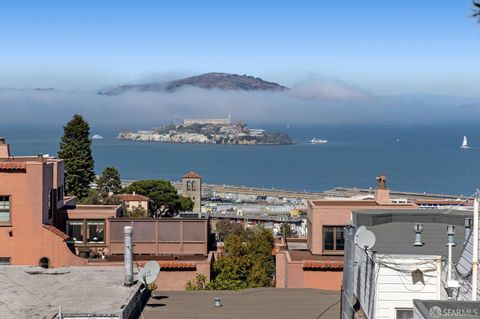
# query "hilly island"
(212, 80)
(208, 131)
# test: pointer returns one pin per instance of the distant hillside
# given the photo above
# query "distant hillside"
(221, 81)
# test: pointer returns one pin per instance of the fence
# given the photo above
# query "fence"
(160, 236)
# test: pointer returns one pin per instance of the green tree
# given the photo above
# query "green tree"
(164, 200)
(248, 261)
(75, 150)
(287, 231)
(186, 204)
(137, 212)
(476, 10)
(226, 228)
(199, 283)
(95, 197)
(109, 181)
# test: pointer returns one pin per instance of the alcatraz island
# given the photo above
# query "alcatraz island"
(208, 131)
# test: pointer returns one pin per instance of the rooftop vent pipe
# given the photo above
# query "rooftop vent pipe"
(128, 256)
(418, 228)
(451, 234)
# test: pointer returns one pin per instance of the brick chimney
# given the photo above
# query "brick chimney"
(4, 149)
(382, 193)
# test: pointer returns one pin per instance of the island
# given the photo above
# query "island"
(208, 131)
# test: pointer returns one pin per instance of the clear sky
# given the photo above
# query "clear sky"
(386, 47)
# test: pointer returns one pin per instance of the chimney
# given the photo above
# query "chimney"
(4, 148)
(382, 193)
(133, 194)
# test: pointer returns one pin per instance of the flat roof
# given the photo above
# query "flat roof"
(262, 303)
(394, 230)
(33, 292)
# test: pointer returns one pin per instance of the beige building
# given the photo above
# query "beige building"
(132, 201)
(192, 187)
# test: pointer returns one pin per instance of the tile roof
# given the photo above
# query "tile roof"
(191, 175)
(327, 264)
(13, 165)
(132, 197)
(172, 264)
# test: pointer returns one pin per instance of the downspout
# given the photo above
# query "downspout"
(475, 251)
(348, 296)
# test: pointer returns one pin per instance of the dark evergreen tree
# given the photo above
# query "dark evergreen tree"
(75, 150)
(164, 200)
(476, 10)
(109, 181)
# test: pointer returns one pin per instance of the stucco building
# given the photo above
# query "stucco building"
(192, 187)
(317, 262)
(133, 201)
(41, 227)
(31, 198)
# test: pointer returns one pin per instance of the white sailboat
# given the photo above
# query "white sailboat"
(465, 143)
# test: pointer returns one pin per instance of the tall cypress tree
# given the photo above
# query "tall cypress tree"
(75, 150)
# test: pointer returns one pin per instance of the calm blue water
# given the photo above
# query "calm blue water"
(427, 158)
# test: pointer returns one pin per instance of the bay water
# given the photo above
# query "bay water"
(417, 158)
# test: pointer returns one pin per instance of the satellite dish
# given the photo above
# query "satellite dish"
(149, 272)
(360, 228)
(364, 238)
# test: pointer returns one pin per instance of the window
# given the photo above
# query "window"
(95, 231)
(333, 238)
(188, 185)
(75, 230)
(404, 314)
(194, 186)
(50, 203)
(44, 262)
(4, 261)
(60, 193)
(4, 209)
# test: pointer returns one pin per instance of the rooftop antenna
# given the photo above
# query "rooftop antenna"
(365, 238)
(149, 272)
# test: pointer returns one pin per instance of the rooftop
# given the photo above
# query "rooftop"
(262, 303)
(33, 292)
(132, 197)
(191, 175)
(394, 232)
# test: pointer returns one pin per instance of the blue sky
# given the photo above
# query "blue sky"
(385, 47)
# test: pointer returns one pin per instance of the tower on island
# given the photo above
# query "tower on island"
(192, 187)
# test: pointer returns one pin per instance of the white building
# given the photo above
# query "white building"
(386, 278)
(226, 121)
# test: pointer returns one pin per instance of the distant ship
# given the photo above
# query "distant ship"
(465, 143)
(97, 137)
(318, 141)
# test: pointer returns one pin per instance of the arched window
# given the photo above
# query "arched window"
(188, 186)
(44, 262)
(194, 186)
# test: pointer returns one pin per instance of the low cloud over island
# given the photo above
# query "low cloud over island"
(316, 100)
